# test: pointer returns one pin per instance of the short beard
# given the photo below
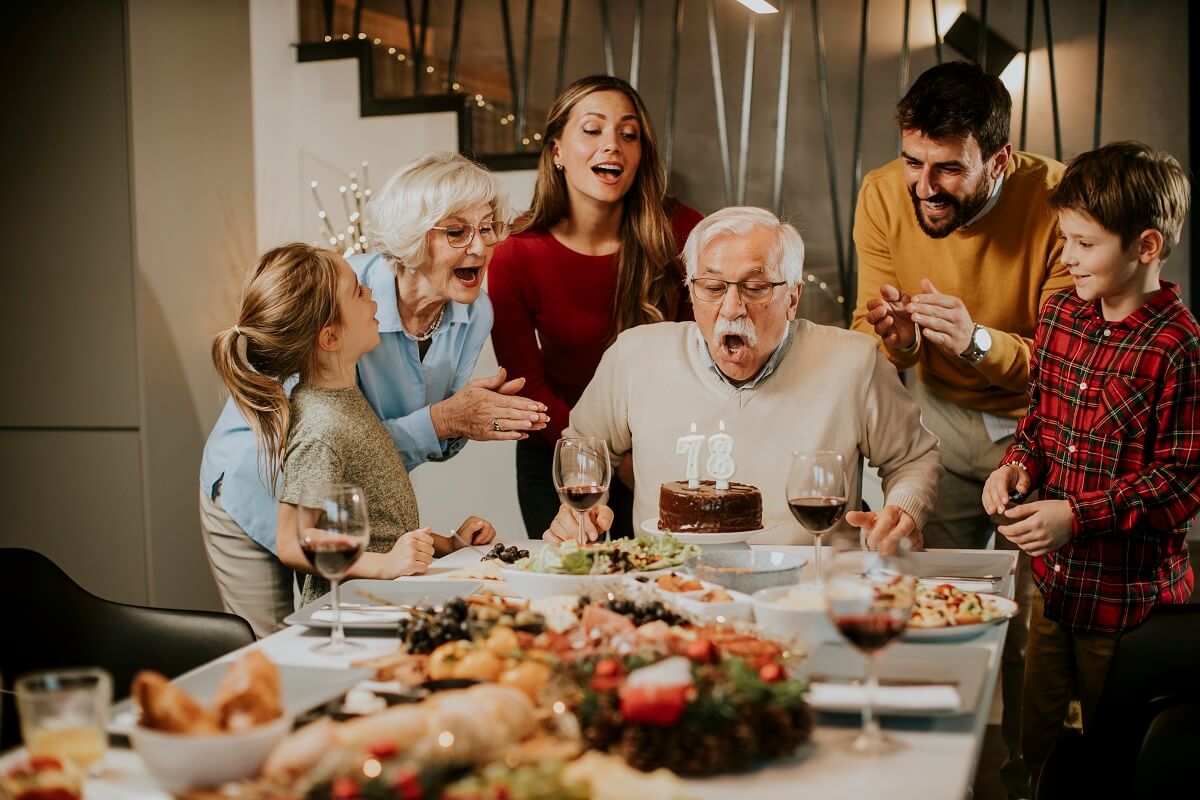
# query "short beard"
(964, 210)
(742, 326)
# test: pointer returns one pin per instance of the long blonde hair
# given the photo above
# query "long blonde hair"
(290, 296)
(647, 282)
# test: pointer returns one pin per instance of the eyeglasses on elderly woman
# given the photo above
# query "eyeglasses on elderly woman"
(711, 290)
(461, 234)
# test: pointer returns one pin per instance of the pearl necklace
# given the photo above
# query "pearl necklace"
(437, 323)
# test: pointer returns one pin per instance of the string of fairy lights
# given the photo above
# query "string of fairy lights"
(355, 194)
(350, 238)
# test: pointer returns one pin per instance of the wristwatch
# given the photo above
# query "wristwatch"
(981, 343)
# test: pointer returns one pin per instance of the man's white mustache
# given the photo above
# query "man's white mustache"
(741, 326)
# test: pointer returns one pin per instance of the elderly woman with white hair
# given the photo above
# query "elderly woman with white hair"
(432, 228)
(777, 383)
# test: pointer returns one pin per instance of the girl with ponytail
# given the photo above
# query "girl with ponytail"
(305, 314)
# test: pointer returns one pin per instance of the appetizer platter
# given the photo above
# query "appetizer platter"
(944, 611)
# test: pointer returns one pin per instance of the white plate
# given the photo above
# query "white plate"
(1008, 609)
(651, 526)
(549, 584)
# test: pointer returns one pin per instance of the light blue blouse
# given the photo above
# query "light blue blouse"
(394, 379)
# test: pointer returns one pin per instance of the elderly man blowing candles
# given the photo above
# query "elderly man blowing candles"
(780, 384)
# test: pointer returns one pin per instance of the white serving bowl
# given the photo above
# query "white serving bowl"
(180, 761)
(805, 623)
(740, 608)
(748, 571)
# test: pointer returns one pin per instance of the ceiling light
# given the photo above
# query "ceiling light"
(759, 6)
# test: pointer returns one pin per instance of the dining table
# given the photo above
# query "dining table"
(936, 757)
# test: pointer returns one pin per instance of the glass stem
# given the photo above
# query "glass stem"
(337, 636)
(871, 732)
(582, 529)
(817, 558)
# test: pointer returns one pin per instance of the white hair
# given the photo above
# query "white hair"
(424, 192)
(787, 254)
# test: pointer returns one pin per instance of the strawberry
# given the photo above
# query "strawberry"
(771, 673)
(653, 705)
(703, 651)
(344, 789)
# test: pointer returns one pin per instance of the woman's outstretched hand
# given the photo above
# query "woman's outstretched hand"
(489, 409)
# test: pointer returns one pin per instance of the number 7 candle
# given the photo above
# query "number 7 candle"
(691, 446)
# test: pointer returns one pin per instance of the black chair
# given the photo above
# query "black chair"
(53, 622)
(1166, 763)
(1153, 671)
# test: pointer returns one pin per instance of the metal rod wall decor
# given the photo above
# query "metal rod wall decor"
(981, 47)
(785, 74)
(455, 41)
(635, 58)
(606, 30)
(511, 58)
(1100, 68)
(719, 101)
(672, 83)
(1025, 78)
(523, 98)
(937, 36)
(827, 126)
(848, 278)
(560, 75)
(747, 98)
(1058, 151)
(903, 79)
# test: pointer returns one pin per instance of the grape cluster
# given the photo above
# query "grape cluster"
(643, 612)
(509, 555)
(429, 628)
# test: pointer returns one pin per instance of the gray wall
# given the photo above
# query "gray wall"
(130, 181)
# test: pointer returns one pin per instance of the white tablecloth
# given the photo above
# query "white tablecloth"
(938, 759)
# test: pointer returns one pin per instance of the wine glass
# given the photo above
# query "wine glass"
(332, 542)
(816, 495)
(870, 598)
(581, 475)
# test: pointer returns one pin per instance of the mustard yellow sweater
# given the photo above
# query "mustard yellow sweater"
(1004, 267)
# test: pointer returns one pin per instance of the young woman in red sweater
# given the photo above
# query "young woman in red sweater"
(597, 253)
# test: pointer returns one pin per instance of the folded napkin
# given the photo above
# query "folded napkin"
(965, 585)
(936, 697)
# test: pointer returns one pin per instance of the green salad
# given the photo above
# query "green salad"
(608, 558)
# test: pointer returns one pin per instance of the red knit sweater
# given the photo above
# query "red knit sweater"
(554, 314)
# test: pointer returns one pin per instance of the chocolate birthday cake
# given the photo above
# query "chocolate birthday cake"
(708, 509)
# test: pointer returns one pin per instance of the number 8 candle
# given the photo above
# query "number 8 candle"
(720, 461)
(691, 445)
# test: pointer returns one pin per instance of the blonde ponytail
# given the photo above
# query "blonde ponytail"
(290, 296)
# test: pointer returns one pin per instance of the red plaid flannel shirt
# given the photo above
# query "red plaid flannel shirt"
(1114, 428)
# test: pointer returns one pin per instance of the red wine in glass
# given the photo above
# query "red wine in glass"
(581, 474)
(817, 492)
(817, 513)
(582, 497)
(870, 632)
(333, 558)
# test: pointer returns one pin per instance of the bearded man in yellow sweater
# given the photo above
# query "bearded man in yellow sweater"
(958, 250)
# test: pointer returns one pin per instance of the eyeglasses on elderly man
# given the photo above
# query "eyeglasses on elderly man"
(712, 290)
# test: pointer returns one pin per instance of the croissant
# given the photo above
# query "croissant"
(167, 708)
(249, 694)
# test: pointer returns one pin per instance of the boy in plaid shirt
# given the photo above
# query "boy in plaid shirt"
(1112, 437)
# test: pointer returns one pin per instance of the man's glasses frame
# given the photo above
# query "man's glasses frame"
(713, 290)
(461, 234)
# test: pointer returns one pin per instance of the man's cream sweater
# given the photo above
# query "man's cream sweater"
(831, 390)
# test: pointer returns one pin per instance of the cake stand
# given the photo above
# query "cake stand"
(733, 540)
